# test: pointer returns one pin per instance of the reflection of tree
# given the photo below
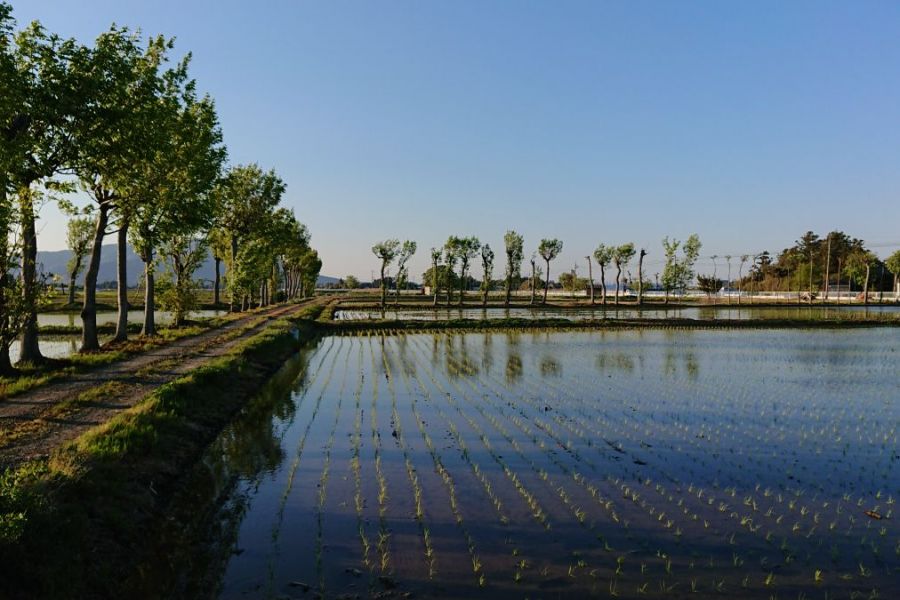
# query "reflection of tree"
(487, 356)
(513, 367)
(550, 367)
(406, 362)
(458, 361)
(690, 363)
(612, 361)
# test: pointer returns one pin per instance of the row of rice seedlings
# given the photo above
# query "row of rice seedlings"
(298, 453)
(555, 488)
(795, 524)
(382, 545)
(323, 478)
(419, 513)
(356, 469)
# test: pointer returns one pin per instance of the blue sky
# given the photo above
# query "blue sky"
(747, 123)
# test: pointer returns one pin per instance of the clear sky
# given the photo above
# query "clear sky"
(747, 123)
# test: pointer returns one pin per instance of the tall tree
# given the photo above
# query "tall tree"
(51, 86)
(533, 282)
(466, 249)
(590, 277)
(641, 255)
(451, 253)
(183, 254)
(386, 252)
(514, 245)
(622, 255)
(487, 266)
(406, 252)
(435, 276)
(893, 264)
(172, 194)
(245, 199)
(603, 255)
(549, 249)
(79, 233)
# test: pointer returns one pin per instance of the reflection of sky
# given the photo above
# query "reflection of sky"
(108, 317)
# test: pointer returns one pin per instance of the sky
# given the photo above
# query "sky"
(747, 123)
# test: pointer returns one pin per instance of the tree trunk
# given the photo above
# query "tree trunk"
(6, 367)
(603, 284)
(508, 289)
(71, 299)
(547, 282)
(149, 301)
(122, 282)
(462, 283)
(484, 298)
(618, 276)
(383, 287)
(30, 351)
(827, 271)
(533, 277)
(434, 282)
(89, 338)
(232, 270)
(591, 279)
(641, 277)
(218, 281)
(866, 286)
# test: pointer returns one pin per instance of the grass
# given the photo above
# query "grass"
(73, 524)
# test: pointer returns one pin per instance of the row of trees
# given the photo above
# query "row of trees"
(443, 275)
(124, 124)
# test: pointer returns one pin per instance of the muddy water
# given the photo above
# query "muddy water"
(659, 464)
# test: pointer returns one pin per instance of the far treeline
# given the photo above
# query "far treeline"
(122, 123)
(812, 267)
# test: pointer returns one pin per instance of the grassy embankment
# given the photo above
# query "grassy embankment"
(73, 524)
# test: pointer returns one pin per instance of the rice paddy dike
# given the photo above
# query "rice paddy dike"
(544, 456)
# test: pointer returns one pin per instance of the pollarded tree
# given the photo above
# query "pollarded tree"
(514, 244)
(435, 275)
(487, 266)
(466, 249)
(407, 249)
(859, 267)
(386, 252)
(549, 249)
(603, 255)
(451, 254)
(893, 264)
(622, 255)
(641, 255)
(532, 283)
(79, 234)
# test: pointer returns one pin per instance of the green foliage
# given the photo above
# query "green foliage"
(351, 282)
(679, 273)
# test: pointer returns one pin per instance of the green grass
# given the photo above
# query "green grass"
(75, 524)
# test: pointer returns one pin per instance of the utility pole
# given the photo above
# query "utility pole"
(827, 270)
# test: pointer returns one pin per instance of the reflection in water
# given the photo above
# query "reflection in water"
(550, 367)
(192, 546)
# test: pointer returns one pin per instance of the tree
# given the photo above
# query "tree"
(514, 245)
(406, 252)
(50, 86)
(549, 249)
(603, 255)
(245, 199)
(351, 282)
(79, 234)
(571, 282)
(435, 276)
(678, 273)
(893, 264)
(487, 265)
(171, 194)
(466, 249)
(218, 247)
(184, 254)
(118, 137)
(533, 281)
(641, 256)
(709, 284)
(621, 256)
(590, 277)
(386, 252)
(450, 256)
(859, 267)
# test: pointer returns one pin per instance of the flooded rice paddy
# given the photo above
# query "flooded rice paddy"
(659, 464)
(625, 312)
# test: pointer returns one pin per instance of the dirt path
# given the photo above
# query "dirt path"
(34, 423)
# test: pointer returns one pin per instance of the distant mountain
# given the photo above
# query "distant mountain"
(325, 280)
(55, 263)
